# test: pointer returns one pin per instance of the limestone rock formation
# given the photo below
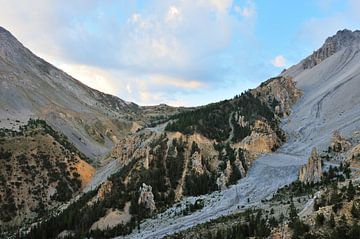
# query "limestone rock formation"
(341, 40)
(262, 139)
(281, 92)
(339, 143)
(354, 153)
(146, 197)
(312, 171)
(197, 166)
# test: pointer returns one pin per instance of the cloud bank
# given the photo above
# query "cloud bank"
(144, 51)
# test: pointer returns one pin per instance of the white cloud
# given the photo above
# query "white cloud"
(248, 11)
(279, 61)
(177, 41)
(176, 82)
(90, 76)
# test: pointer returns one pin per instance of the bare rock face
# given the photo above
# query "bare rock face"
(261, 140)
(354, 153)
(197, 164)
(339, 143)
(104, 189)
(341, 40)
(146, 197)
(281, 91)
(221, 181)
(312, 171)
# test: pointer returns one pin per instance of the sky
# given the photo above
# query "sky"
(178, 52)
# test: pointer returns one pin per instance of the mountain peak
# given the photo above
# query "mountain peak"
(342, 39)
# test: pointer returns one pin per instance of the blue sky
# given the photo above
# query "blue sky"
(179, 52)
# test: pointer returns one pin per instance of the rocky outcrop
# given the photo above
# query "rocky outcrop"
(262, 139)
(341, 40)
(339, 143)
(312, 171)
(104, 189)
(146, 197)
(223, 179)
(354, 153)
(280, 92)
(197, 166)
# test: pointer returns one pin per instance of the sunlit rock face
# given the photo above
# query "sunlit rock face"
(312, 171)
(341, 40)
(339, 143)
(146, 197)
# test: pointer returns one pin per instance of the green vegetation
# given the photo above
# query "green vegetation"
(212, 120)
(251, 223)
(297, 188)
(44, 168)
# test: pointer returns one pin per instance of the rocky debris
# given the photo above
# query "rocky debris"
(339, 143)
(146, 197)
(341, 40)
(113, 218)
(312, 171)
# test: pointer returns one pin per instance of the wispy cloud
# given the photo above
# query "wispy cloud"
(316, 29)
(109, 45)
(279, 61)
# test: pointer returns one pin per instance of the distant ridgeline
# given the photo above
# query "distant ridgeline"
(200, 151)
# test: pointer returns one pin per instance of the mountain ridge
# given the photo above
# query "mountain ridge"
(165, 154)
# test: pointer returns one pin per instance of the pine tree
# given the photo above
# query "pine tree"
(351, 192)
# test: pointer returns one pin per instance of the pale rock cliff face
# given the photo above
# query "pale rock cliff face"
(283, 90)
(223, 179)
(354, 153)
(341, 40)
(312, 171)
(197, 166)
(339, 143)
(104, 189)
(261, 140)
(147, 197)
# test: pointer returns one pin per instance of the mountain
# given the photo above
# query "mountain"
(168, 169)
(39, 170)
(32, 88)
(330, 92)
(326, 117)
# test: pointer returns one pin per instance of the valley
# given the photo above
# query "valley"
(103, 167)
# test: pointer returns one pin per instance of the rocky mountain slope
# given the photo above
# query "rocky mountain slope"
(328, 104)
(39, 170)
(93, 121)
(330, 94)
(197, 152)
(167, 155)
